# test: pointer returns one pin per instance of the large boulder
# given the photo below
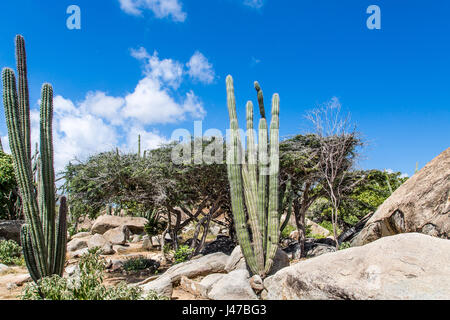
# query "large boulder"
(98, 241)
(405, 266)
(421, 204)
(236, 261)
(233, 286)
(119, 235)
(10, 230)
(107, 222)
(77, 244)
(212, 263)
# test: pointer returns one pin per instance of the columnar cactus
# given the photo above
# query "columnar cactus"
(43, 238)
(254, 182)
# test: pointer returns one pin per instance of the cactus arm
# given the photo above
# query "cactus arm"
(61, 238)
(263, 177)
(28, 253)
(260, 100)
(47, 171)
(234, 160)
(249, 174)
(22, 168)
(24, 99)
(273, 220)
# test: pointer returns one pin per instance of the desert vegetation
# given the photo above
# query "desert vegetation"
(271, 204)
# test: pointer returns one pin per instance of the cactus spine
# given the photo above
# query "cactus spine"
(43, 239)
(254, 181)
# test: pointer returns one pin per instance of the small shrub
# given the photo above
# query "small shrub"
(344, 245)
(86, 285)
(182, 254)
(11, 253)
(287, 231)
(140, 263)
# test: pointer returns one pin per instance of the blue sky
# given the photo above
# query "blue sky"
(149, 67)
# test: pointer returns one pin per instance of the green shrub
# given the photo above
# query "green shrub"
(309, 234)
(287, 231)
(344, 245)
(182, 254)
(139, 263)
(87, 284)
(11, 253)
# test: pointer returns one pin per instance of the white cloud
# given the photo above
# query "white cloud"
(100, 122)
(254, 3)
(200, 69)
(160, 8)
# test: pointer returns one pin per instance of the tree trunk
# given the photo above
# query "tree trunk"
(300, 213)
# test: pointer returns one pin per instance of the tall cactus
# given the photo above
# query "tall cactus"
(253, 179)
(43, 238)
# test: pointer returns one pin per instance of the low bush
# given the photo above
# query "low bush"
(140, 263)
(11, 253)
(182, 254)
(86, 284)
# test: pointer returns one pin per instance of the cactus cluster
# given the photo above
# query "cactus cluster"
(44, 235)
(254, 185)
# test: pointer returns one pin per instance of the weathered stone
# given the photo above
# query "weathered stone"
(117, 235)
(236, 261)
(161, 286)
(10, 229)
(85, 223)
(211, 279)
(257, 283)
(213, 263)
(77, 244)
(97, 240)
(107, 222)
(404, 266)
(80, 235)
(193, 287)
(233, 286)
(421, 204)
(3, 268)
(78, 253)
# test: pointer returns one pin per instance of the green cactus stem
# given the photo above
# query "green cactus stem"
(253, 181)
(43, 237)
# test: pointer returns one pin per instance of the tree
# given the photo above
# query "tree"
(337, 155)
(10, 205)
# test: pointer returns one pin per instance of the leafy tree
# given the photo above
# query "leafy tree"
(10, 207)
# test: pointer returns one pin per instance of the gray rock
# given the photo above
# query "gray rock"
(3, 268)
(233, 286)
(77, 244)
(236, 261)
(10, 229)
(419, 205)
(257, 283)
(78, 253)
(405, 266)
(119, 235)
(211, 279)
(161, 286)
(80, 235)
(107, 222)
(97, 240)
(213, 263)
